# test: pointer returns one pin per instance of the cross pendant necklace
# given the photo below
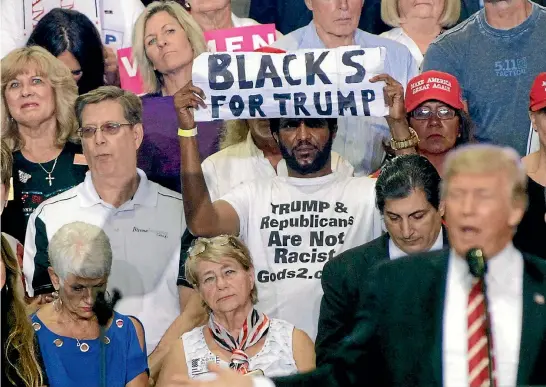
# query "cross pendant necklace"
(49, 178)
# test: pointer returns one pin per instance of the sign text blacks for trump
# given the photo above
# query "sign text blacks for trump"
(305, 83)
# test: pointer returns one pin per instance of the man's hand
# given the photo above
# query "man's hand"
(35, 303)
(185, 99)
(224, 378)
(393, 92)
(111, 72)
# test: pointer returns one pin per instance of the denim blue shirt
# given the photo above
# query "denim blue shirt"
(360, 139)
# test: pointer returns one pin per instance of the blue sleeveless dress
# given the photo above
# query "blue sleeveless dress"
(66, 365)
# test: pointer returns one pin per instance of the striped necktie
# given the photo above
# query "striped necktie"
(478, 361)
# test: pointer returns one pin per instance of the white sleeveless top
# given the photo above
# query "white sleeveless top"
(276, 358)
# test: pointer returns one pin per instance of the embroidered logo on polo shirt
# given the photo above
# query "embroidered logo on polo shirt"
(23, 176)
(161, 234)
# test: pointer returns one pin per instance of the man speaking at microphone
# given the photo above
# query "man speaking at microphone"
(423, 322)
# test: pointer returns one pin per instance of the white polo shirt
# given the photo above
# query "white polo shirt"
(244, 162)
(145, 237)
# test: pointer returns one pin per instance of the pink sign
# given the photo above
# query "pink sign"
(244, 39)
(128, 72)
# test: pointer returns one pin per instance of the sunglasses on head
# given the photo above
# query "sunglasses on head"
(199, 245)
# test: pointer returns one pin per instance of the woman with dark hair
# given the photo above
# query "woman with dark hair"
(20, 366)
(431, 119)
(72, 38)
(532, 228)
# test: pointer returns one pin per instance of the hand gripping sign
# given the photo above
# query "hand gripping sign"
(304, 83)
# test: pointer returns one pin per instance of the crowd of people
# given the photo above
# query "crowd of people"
(144, 247)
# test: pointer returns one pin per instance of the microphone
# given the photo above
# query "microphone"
(477, 265)
(104, 310)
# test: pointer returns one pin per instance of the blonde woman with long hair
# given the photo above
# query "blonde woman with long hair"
(39, 125)
(166, 40)
(20, 366)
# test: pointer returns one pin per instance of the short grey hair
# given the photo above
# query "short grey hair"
(130, 102)
(80, 249)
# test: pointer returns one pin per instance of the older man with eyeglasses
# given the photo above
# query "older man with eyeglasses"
(143, 220)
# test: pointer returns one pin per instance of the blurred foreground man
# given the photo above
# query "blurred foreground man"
(408, 197)
(423, 318)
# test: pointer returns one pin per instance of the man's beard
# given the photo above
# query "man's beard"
(321, 158)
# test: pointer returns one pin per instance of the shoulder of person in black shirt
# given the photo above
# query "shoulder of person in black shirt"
(530, 235)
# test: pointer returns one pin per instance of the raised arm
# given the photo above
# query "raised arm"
(204, 218)
(398, 123)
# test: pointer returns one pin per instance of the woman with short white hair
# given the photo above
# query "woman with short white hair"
(237, 335)
(68, 329)
(417, 23)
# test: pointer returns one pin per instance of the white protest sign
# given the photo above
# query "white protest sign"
(304, 83)
(35, 10)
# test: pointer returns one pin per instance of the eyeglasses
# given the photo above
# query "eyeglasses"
(108, 128)
(424, 113)
(199, 245)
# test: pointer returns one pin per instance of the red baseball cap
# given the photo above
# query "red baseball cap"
(270, 50)
(538, 93)
(435, 85)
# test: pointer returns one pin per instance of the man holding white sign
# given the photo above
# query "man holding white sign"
(335, 24)
(306, 83)
(292, 225)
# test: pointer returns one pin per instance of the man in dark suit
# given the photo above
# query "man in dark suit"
(408, 197)
(422, 323)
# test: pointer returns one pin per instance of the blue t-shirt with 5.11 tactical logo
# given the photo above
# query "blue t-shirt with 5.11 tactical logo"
(496, 69)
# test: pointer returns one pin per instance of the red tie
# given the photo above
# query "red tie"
(478, 361)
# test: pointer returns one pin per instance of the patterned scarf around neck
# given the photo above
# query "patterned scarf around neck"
(254, 328)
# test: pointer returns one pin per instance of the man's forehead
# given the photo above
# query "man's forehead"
(309, 122)
(415, 201)
(472, 181)
(109, 110)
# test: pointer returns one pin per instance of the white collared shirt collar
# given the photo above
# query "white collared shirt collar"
(145, 195)
(395, 252)
(502, 269)
(504, 281)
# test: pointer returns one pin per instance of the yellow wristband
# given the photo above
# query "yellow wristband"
(187, 132)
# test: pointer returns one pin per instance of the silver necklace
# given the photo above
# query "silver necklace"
(49, 177)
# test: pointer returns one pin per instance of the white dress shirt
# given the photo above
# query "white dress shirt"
(504, 281)
(504, 290)
(395, 252)
(398, 35)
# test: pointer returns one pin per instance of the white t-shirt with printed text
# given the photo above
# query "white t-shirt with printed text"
(292, 227)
